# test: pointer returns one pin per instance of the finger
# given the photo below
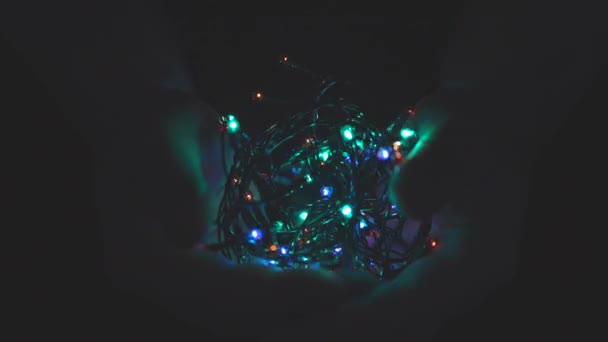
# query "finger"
(358, 282)
(313, 298)
(322, 290)
(416, 185)
(451, 153)
(196, 141)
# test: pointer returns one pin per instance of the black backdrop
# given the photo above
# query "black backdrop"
(392, 60)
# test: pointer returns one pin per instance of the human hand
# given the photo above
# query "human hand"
(478, 199)
(173, 187)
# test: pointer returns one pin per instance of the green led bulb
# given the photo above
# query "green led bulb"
(348, 133)
(407, 133)
(347, 211)
(360, 144)
(324, 155)
(278, 226)
(232, 123)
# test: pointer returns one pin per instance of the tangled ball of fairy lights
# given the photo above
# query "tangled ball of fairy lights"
(312, 192)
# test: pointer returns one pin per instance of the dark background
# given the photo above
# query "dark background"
(392, 61)
(57, 246)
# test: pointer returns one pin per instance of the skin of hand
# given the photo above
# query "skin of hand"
(479, 213)
(505, 90)
(154, 162)
(155, 195)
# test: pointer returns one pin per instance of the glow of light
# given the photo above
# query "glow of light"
(256, 234)
(396, 146)
(308, 178)
(362, 224)
(273, 262)
(347, 133)
(338, 249)
(360, 144)
(258, 95)
(273, 248)
(249, 196)
(284, 250)
(346, 210)
(407, 133)
(326, 191)
(233, 124)
(383, 154)
(324, 155)
(433, 243)
(303, 215)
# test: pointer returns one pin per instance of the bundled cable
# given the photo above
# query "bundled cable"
(312, 192)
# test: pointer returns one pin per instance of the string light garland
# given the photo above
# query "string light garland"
(312, 191)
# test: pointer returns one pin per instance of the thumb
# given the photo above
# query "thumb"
(326, 289)
(435, 170)
(322, 293)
